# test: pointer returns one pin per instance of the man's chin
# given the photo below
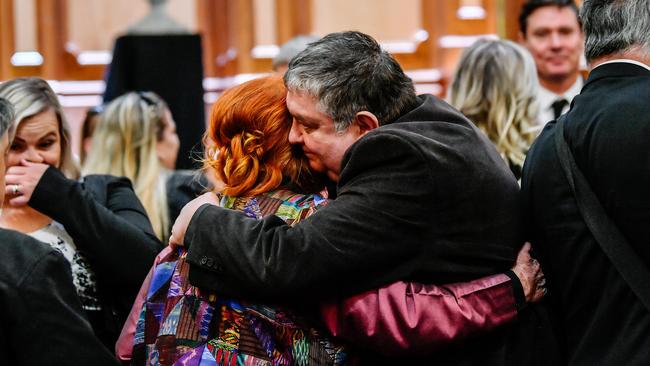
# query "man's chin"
(558, 75)
(334, 177)
(317, 167)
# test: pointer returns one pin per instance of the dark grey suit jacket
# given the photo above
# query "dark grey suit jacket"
(41, 319)
(608, 131)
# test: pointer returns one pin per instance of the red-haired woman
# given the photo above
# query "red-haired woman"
(261, 174)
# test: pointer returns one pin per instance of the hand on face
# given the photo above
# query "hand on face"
(184, 218)
(21, 180)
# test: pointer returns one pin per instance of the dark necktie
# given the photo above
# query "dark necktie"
(557, 107)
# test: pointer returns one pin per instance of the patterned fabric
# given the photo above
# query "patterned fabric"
(83, 277)
(182, 325)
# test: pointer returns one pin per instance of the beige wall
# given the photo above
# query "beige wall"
(388, 20)
(25, 31)
(94, 24)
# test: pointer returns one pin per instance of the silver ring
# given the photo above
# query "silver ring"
(14, 189)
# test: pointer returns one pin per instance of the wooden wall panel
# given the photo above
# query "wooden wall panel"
(94, 24)
(25, 32)
(293, 18)
(228, 29)
(50, 17)
(6, 37)
(214, 22)
(512, 7)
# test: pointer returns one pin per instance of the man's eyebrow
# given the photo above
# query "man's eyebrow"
(301, 117)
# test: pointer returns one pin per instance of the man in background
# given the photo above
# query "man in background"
(551, 31)
(289, 50)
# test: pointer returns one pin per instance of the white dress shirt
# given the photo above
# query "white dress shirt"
(546, 98)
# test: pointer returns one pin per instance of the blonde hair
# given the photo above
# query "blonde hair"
(31, 96)
(124, 144)
(496, 86)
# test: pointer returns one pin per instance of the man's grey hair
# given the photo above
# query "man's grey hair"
(7, 116)
(291, 48)
(347, 73)
(613, 26)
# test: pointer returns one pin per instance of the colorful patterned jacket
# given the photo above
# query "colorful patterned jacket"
(179, 324)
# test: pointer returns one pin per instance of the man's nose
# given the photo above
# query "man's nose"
(556, 40)
(295, 136)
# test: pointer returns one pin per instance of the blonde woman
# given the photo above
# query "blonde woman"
(495, 86)
(97, 223)
(136, 138)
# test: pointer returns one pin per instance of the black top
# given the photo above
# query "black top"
(41, 320)
(426, 198)
(608, 132)
(183, 186)
(109, 226)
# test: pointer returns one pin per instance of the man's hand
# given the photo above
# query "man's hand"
(184, 218)
(530, 275)
(21, 180)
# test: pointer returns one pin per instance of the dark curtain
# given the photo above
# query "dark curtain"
(171, 66)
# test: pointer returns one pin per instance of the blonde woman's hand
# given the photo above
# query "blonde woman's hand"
(21, 180)
(530, 275)
(184, 218)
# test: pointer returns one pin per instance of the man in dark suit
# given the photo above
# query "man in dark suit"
(602, 322)
(422, 195)
(41, 319)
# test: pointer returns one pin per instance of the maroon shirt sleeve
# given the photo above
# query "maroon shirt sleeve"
(411, 318)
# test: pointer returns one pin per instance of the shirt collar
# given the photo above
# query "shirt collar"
(624, 60)
(547, 97)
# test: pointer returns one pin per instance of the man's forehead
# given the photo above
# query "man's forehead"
(548, 16)
(307, 109)
(300, 102)
(296, 94)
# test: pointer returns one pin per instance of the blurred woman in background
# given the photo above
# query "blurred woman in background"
(495, 86)
(87, 129)
(136, 138)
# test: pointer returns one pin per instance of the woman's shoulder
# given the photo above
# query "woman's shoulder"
(99, 184)
(288, 205)
(102, 186)
(103, 179)
(186, 183)
(295, 199)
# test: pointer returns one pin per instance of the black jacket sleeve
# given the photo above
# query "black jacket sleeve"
(106, 221)
(47, 322)
(371, 233)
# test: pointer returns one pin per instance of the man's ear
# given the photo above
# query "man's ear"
(366, 122)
